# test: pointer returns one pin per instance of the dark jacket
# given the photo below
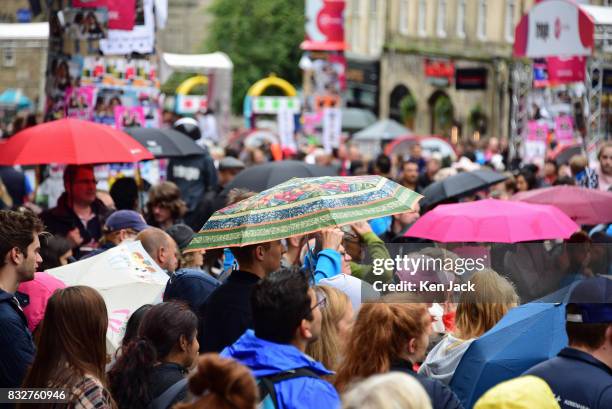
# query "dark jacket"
(16, 344)
(61, 219)
(442, 397)
(194, 175)
(164, 376)
(192, 286)
(15, 183)
(210, 202)
(577, 378)
(227, 312)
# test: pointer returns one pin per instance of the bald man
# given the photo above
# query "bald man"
(161, 247)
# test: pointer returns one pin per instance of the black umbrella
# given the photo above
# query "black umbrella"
(459, 185)
(165, 143)
(261, 177)
(566, 153)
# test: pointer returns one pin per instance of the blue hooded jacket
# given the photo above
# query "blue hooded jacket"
(16, 344)
(269, 358)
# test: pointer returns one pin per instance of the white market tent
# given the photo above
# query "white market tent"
(217, 67)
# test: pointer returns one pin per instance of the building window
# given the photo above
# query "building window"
(404, 25)
(482, 20)
(461, 18)
(373, 23)
(441, 19)
(510, 9)
(422, 17)
(8, 57)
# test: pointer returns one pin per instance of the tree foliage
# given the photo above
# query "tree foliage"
(260, 37)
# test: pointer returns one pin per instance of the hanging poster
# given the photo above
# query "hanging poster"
(106, 102)
(80, 102)
(121, 13)
(127, 117)
(141, 39)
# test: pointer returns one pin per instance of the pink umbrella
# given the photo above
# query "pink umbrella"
(582, 205)
(491, 220)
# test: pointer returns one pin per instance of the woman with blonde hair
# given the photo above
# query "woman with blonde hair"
(391, 337)
(477, 312)
(387, 391)
(221, 383)
(336, 325)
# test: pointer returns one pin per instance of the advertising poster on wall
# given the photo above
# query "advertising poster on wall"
(127, 117)
(80, 102)
(76, 61)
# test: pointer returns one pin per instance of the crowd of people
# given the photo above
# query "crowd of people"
(292, 323)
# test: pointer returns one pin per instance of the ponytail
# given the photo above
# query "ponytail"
(129, 377)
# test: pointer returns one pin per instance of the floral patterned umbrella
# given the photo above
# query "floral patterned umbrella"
(301, 206)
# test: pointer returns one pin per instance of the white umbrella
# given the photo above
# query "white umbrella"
(126, 277)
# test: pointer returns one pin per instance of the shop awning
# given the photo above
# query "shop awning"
(24, 31)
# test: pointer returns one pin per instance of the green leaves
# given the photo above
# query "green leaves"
(260, 37)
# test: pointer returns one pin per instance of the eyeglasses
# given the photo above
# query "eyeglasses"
(321, 301)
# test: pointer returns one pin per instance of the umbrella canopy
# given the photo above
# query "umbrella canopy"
(582, 205)
(165, 143)
(430, 144)
(15, 98)
(301, 206)
(354, 119)
(525, 336)
(461, 184)
(382, 130)
(71, 141)
(126, 277)
(261, 177)
(563, 153)
(491, 220)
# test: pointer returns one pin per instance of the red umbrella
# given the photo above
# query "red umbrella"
(71, 141)
(496, 221)
(582, 205)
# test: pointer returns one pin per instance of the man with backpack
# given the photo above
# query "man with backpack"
(287, 317)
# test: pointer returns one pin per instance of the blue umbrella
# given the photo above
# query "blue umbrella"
(526, 336)
(14, 97)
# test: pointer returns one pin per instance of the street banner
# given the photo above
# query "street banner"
(286, 129)
(324, 25)
(332, 128)
(121, 13)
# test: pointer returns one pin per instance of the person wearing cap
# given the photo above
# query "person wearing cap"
(580, 376)
(214, 200)
(195, 174)
(189, 283)
(120, 226)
